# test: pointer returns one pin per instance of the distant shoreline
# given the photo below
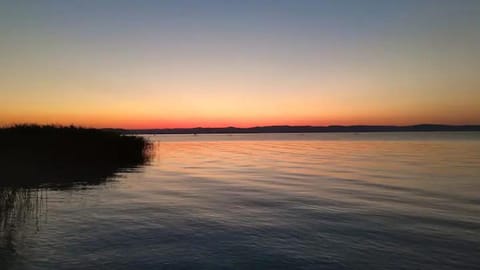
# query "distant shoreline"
(303, 129)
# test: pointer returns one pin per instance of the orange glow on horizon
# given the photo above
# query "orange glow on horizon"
(239, 65)
(132, 122)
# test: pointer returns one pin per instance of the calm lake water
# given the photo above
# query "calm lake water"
(265, 201)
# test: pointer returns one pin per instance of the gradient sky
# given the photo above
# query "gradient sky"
(143, 64)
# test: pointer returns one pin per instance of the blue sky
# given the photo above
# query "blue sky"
(180, 63)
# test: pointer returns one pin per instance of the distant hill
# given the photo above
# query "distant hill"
(303, 129)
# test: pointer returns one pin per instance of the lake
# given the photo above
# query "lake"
(263, 201)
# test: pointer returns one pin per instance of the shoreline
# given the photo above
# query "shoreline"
(303, 129)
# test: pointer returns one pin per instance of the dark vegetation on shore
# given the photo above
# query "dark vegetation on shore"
(33, 155)
(35, 158)
(303, 129)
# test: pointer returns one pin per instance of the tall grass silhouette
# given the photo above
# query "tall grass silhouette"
(34, 158)
(32, 155)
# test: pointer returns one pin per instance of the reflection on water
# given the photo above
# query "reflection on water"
(17, 206)
(24, 193)
(313, 201)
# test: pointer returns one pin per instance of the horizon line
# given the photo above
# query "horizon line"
(250, 127)
(300, 126)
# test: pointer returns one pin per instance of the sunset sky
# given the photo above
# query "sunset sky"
(146, 64)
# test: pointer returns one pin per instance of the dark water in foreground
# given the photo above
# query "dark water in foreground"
(267, 201)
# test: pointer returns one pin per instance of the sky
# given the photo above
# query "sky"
(158, 64)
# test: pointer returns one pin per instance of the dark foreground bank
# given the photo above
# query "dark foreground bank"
(36, 155)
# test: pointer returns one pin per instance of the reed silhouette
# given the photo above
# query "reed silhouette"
(33, 155)
(36, 158)
(18, 206)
